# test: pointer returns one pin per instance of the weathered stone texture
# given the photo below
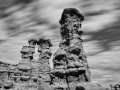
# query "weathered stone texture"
(70, 68)
(70, 62)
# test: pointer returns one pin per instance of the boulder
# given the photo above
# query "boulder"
(8, 84)
(34, 79)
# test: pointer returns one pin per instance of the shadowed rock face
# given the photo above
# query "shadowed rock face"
(7, 84)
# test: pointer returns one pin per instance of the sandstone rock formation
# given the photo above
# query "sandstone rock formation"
(44, 50)
(70, 67)
(34, 65)
(28, 65)
(43, 61)
(70, 62)
(71, 70)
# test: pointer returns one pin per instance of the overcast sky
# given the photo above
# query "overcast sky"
(22, 19)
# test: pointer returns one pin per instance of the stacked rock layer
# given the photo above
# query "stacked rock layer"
(43, 60)
(70, 68)
(28, 66)
(70, 61)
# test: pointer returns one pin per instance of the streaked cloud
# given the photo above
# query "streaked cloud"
(39, 18)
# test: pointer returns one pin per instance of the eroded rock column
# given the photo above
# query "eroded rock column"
(28, 65)
(34, 65)
(58, 73)
(24, 65)
(70, 61)
(43, 60)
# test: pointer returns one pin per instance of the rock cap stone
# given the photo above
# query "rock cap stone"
(43, 40)
(71, 11)
(32, 40)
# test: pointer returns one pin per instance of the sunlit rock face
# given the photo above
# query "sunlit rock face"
(24, 19)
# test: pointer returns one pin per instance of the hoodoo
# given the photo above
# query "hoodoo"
(70, 67)
(70, 61)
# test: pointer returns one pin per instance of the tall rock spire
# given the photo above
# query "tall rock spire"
(43, 60)
(70, 61)
(44, 50)
(28, 65)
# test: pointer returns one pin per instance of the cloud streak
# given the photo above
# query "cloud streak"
(40, 18)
